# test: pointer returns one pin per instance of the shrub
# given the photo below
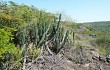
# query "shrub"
(7, 48)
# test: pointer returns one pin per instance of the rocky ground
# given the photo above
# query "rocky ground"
(80, 56)
(66, 61)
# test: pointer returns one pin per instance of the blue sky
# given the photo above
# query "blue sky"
(78, 10)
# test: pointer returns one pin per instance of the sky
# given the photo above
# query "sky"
(76, 10)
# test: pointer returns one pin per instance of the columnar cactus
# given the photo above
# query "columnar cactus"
(50, 34)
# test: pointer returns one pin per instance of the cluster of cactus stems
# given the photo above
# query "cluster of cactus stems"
(48, 34)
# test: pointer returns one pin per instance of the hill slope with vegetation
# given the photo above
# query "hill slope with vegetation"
(26, 32)
(102, 25)
(102, 31)
(33, 39)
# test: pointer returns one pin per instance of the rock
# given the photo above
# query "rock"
(94, 66)
(82, 28)
(108, 59)
(86, 65)
(102, 58)
(92, 35)
(40, 60)
(95, 55)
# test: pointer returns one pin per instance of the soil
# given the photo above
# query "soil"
(64, 61)
(82, 57)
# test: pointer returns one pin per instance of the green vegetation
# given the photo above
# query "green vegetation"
(102, 32)
(101, 26)
(25, 32)
(5, 46)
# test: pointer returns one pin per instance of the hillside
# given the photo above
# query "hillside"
(33, 39)
(81, 55)
(101, 25)
(102, 31)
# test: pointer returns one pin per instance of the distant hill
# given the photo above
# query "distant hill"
(101, 26)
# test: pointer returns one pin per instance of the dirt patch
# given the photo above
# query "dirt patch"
(65, 61)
